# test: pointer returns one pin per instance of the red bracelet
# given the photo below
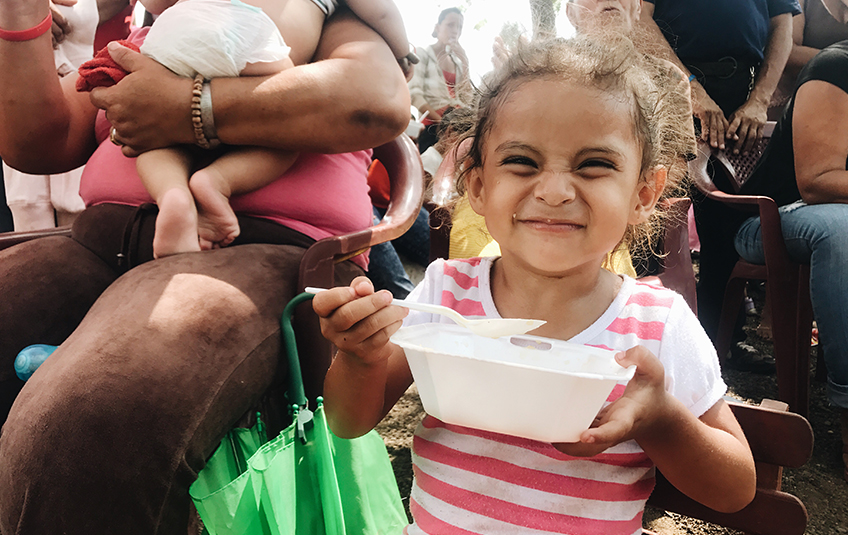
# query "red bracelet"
(26, 35)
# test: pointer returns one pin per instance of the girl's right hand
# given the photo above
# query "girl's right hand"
(358, 320)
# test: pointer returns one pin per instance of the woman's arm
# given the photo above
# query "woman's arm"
(820, 142)
(352, 97)
(800, 54)
(45, 125)
(746, 123)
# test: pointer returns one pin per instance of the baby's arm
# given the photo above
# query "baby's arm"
(369, 373)
(706, 458)
(384, 17)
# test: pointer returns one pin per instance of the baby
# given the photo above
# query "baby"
(205, 39)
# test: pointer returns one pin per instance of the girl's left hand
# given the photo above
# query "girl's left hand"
(635, 413)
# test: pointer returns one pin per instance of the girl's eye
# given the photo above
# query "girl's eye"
(518, 160)
(598, 163)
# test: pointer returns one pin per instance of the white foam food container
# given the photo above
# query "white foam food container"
(527, 386)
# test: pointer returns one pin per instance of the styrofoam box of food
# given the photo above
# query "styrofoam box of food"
(527, 386)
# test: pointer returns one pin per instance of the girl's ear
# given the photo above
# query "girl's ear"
(647, 194)
(476, 191)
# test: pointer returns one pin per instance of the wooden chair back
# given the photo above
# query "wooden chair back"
(778, 439)
(787, 282)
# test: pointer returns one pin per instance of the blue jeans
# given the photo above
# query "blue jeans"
(816, 235)
(385, 268)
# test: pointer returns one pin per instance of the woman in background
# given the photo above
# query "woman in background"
(443, 70)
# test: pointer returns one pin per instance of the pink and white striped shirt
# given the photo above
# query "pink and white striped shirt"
(469, 481)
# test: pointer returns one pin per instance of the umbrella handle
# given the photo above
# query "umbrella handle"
(295, 393)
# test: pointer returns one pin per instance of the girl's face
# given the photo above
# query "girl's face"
(449, 30)
(560, 178)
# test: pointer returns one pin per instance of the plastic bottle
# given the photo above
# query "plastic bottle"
(30, 358)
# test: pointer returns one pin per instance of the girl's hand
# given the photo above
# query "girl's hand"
(636, 412)
(359, 321)
(150, 108)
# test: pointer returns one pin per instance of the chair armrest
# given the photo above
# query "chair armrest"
(8, 239)
(403, 164)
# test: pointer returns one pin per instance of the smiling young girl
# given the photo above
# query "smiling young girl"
(575, 142)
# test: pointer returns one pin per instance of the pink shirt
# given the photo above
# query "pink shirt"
(321, 195)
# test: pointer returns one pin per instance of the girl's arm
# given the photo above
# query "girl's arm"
(369, 373)
(352, 97)
(708, 459)
(45, 125)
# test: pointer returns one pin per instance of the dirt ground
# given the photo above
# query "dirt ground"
(818, 483)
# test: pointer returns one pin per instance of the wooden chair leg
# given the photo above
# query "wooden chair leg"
(733, 295)
(790, 325)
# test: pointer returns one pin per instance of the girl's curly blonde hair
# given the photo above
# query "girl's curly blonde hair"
(658, 91)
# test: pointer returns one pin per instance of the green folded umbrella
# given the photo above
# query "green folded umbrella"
(305, 481)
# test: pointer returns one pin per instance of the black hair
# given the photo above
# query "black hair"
(445, 12)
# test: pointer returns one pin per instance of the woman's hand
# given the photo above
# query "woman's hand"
(636, 412)
(713, 122)
(746, 125)
(359, 321)
(150, 108)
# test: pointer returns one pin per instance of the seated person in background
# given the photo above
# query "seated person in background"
(736, 52)
(812, 30)
(46, 201)
(805, 170)
(559, 187)
(441, 81)
(160, 358)
(206, 39)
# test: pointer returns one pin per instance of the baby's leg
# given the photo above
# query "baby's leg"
(240, 170)
(165, 173)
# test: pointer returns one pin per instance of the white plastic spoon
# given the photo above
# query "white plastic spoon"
(490, 328)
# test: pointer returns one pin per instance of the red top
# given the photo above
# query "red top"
(114, 29)
(450, 78)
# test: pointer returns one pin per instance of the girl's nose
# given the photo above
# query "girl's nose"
(554, 189)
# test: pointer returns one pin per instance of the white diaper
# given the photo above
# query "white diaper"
(215, 38)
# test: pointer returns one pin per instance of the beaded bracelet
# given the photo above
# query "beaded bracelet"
(27, 35)
(197, 115)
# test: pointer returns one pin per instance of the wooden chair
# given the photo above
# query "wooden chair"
(403, 164)
(787, 283)
(675, 266)
(778, 439)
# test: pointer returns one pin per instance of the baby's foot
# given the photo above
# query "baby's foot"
(217, 224)
(176, 225)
